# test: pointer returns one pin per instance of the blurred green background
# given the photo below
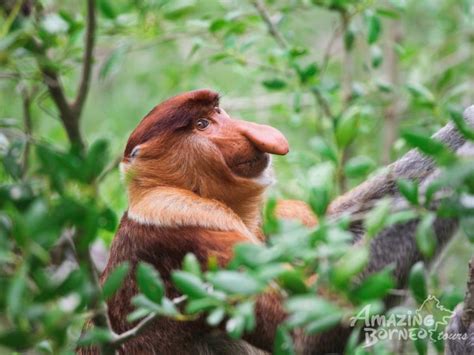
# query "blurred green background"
(377, 67)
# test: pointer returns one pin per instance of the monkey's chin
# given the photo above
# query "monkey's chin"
(252, 168)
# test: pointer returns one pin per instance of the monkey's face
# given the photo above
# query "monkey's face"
(244, 146)
(189, 142)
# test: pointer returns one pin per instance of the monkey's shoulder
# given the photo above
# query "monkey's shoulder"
(166, 246)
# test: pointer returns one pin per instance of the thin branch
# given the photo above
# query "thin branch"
(323, 103)
(142, 325)
(87, 59)
(138, 329)
(56, 92)
(279, 39)
(393, 110)
(100, 317)
(346, 63)
(27, 126)
(468, 308)
(115, 163)
(328, 50)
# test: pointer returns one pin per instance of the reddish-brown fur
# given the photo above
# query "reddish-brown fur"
(193, 191)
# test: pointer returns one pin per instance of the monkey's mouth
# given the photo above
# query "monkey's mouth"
(253, 167)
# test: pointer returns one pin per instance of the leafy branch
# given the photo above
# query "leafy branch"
(70, 112)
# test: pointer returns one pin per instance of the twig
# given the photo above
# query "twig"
(87, 59)
(322, 102)
(328, 50)
(468, 308)
(346, 63)
(115, 163)
(392, 111)
(100, 317)
(27, 126)
(279, 39)
(142, 325)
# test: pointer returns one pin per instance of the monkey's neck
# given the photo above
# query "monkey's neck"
(174, 207)
(249, 210)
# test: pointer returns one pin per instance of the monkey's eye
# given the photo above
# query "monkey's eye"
(202, 124)
(135, 152)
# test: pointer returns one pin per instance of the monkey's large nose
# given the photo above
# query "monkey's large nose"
(265, 138)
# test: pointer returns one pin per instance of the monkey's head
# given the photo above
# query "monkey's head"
(189, 142)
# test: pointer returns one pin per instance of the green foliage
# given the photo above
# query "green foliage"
(58, 202)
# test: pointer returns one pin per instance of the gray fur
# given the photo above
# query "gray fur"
(396, 244)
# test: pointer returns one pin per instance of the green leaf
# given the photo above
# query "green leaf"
(235, 326)
(425, 237)
(349, 38)
(293, 280)
(400, 217)
(274, 84)
(201, 304)
(95, 336)
(409, 189)
(149, 282)
(324, 149)
(374, 286)
(307, 73)
(347, 127)
(189, 284)
(115, 280)
(377, 217)
(421, 93)
(359, 166)
(113, 62)
(97, 159)
(141, 301)
(374, 27)
(191, 264)
(138, 314)
(421, 345)
(216, 316)
(16, 291)
(249, 254)
(319, 200)
(283, 344)
(234, 282)
(417, 282)
(107, 9)
(324, 323)
(376, 56)
(16, 339)
(217, 25)
(352, 342)
(177, 8)
(467, 226)
(351, 264)
(461, 124)
(246, 309)
(305, 309)
(429, 146)
(52, 23)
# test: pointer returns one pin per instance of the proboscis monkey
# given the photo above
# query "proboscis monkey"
(195, 179)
